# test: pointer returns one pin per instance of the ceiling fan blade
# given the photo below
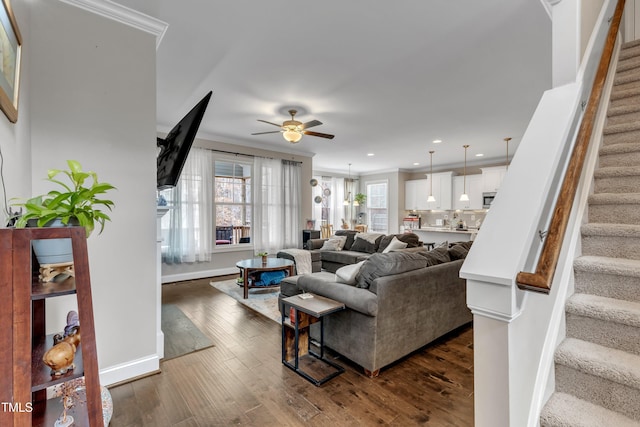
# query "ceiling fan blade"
(312, 123)
(262, 133)
(270, 123)
(321, 135)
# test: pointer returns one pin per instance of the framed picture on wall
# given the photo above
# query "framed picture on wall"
(10, 52)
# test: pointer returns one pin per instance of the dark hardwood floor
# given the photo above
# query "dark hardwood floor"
(241, 380)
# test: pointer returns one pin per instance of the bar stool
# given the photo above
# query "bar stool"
(430, 245)
(326, 231)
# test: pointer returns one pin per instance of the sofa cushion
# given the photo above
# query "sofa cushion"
(324, 284)
(379, 265)
(394, 245)
(348, 273)
(411, 239)
(351, 235)
(367, 242)
(343, 257)
(436, 256)
(459, 251)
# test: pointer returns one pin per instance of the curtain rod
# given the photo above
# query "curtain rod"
(248, 155)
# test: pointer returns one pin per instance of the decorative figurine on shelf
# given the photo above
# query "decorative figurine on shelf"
(60, 357)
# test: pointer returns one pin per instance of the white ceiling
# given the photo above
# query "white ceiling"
(385, 78)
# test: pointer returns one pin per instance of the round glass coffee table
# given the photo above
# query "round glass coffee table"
(248, 266)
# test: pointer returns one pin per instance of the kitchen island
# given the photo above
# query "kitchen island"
(439, 235)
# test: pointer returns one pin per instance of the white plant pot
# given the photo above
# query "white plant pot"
(52, 251)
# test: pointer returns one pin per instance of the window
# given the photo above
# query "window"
(378, 206)
(232, 201)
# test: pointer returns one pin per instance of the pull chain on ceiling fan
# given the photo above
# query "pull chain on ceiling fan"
(292, 130)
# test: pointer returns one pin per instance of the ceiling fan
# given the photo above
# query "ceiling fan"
(292, 130)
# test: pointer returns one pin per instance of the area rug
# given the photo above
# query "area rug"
(181, 336)
(264, 301)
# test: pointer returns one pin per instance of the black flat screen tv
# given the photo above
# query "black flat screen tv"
(174, 148)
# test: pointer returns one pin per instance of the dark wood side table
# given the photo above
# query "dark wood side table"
(252, 265)
(296, 343)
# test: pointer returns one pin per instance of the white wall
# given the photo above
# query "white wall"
(92, 98)
(15, 139)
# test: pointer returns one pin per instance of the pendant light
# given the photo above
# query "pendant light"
(507, 139)
(431, 198)
(465, 197)
(347, 199)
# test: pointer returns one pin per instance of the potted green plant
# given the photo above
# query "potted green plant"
(360, 198)
(77, 203)
(263, 255)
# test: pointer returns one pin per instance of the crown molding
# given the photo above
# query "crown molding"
(124, 15)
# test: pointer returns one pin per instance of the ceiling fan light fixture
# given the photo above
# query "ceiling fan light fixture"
(292, 135)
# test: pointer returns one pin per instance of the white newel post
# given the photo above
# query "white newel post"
(160, 212)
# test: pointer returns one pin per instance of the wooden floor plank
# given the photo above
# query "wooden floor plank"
(241, 380)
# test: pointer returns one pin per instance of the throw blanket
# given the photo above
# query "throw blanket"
(302, 258)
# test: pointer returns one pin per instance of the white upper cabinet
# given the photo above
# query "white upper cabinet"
(442, 187)
(474, 191)
(492, 178)
(416, 192)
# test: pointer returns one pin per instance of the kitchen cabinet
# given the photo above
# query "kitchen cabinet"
(492, 178)
(474, 191)
(416, 192)
(442, 187)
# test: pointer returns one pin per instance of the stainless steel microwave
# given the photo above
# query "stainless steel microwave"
(487, 199)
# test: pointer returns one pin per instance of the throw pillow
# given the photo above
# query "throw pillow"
(351, 235)
(365, 245)
(341, 240)
(379, 265)
(330, 245)
(394, 245)
(369, 237)
(411, 239)
(348, 273)
(458, 252)
(436, 256)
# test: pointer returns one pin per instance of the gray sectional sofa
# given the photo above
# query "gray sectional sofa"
(356, 250)
(399, 302)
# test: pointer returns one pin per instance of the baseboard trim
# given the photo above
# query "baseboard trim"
(127, 371)
(169, 278)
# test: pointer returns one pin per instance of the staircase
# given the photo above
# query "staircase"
(597, 366)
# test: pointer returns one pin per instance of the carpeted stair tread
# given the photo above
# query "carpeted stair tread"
(599, 361)
(631, 44)
(623, 137)
(628, 63)
(614, 199)
(607, 265)
(621, 110)
(611, 230)
(622, 127)
(629, 52)
(627, 148)
(607, 309)
(625, 93)
(565, 410)
(616, 171)
(625, 77)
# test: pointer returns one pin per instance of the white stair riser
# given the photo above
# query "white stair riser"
(614, 247)
(605, 333)
(617, 184)
(600, 391)
(615, 214)
(608, 285)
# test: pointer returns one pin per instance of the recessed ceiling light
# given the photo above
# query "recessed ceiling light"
(416, 163)
(370, 154)
(479, 155)
(437, 141)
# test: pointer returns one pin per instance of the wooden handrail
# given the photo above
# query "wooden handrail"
(540, 280)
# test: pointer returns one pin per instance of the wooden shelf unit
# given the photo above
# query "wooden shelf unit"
(23, 340)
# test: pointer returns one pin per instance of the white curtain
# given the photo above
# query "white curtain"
(338, 211)
(190, 232)
(276, 210)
